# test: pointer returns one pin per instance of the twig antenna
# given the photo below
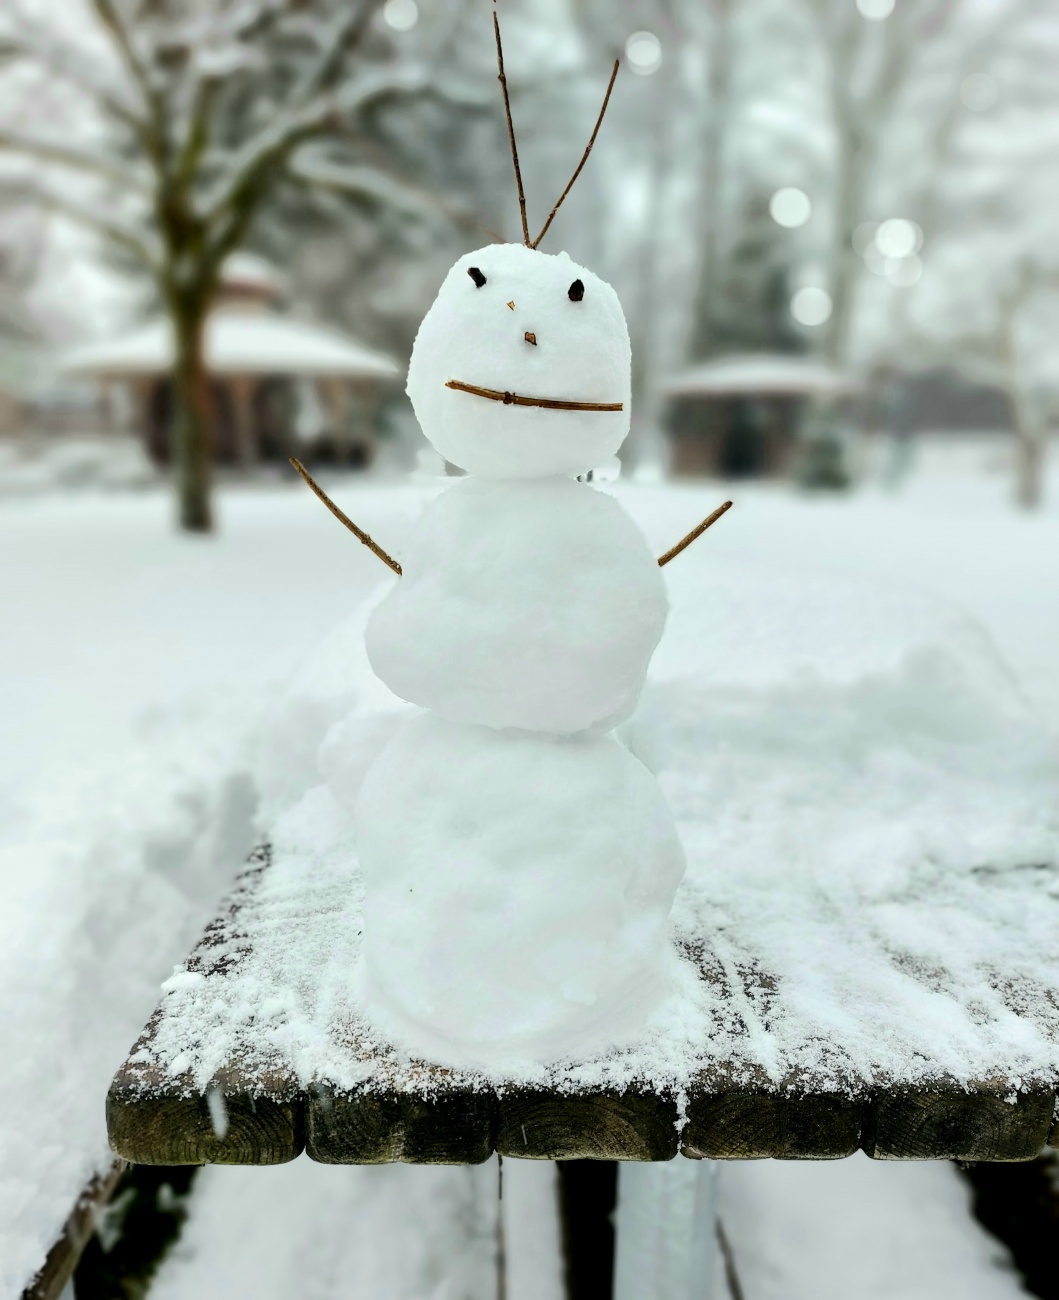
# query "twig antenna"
(511, 132)
(502, 78)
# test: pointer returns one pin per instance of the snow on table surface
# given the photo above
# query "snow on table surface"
(869, 807)
(136, 667)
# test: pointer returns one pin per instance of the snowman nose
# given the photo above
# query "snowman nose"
(530, 337)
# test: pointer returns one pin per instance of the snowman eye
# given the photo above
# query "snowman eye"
(476, 276)
(576, 291)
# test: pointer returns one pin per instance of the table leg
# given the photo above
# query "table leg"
(666, 1229)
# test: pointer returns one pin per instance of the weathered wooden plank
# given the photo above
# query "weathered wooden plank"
(61, 1260)
(254, 1117)
(364, 1127)
(748, 1116)
(755, 1123)
(539, 1124)
(251, 1113)
(941, 1122)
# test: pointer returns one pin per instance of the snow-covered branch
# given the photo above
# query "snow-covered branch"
(346, 35)
(40, 44)
(102, 220)
(137, 67)
(236, 25)
(242, 171)
(366, 181)
(53, 151)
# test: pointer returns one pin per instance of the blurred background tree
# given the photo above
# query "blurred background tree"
(203, 110)
(831, 177)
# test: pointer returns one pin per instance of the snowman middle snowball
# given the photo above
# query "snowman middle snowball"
(526, 615)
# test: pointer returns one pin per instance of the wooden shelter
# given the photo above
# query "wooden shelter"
(738, 416)
(281, 385)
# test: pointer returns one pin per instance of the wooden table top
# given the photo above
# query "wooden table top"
(259, 1108)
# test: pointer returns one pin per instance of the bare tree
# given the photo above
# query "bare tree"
(989, 294)
(206, 108)
(1027, 413)
(879, 135)
(989, 320)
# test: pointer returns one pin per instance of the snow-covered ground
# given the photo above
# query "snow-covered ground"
(136, 669)
(377, 1232)
(833, 1230)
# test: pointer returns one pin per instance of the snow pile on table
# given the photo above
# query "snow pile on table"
(870, 817)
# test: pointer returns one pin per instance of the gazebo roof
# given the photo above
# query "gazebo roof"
(777, 374)
(238, 342)
(242, 270)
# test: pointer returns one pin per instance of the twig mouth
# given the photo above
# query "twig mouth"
(519, 399)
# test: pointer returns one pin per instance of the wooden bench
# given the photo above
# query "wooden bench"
(253, 1109)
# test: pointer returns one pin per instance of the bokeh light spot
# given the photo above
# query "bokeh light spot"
(898, 237)
(979, 91)
(811, 305)
(875, 10)
(643, 50)
(790, 207)
(401, 15)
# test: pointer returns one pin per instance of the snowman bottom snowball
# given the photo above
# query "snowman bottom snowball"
(517, 893)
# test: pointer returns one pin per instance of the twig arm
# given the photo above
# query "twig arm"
(697, 531)
(358, 533)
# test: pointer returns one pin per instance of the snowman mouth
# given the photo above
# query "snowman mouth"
(520, 399)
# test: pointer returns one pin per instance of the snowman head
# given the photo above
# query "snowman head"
(547, 341)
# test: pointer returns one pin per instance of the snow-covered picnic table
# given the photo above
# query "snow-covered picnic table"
(869, 920)
(346, 1098)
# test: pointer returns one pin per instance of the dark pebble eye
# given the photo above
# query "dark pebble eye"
(479, 278)
(576, 291)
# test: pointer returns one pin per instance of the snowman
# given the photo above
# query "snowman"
(519, 862)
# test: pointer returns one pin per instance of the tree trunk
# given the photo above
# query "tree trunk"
(1030, 426)
(846, 266)
(1029, 465)
(192, 432)
(716, 139)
